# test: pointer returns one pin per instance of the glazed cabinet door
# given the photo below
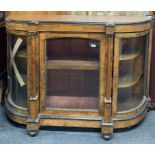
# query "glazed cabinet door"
(17, 70)
(72, 71)
(131, 72)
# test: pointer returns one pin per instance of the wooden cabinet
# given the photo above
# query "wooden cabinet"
(78, 71)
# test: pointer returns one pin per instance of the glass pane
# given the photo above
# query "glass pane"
(131, 73)
(72, 89)
(72, 73)
(72, 48)
(19, 92)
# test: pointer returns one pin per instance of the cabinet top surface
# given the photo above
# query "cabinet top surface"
(78, 19)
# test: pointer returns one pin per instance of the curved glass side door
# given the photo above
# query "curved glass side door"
(17, 70)
(131, 71)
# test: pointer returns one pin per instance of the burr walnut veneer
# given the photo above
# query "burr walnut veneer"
(78, 71)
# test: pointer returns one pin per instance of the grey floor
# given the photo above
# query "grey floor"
(15, 134)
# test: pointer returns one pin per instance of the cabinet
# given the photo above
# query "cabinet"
(78, 71)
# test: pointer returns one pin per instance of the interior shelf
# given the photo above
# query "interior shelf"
(125, 57)
(72, 102)
(126, 81)
(72, 64)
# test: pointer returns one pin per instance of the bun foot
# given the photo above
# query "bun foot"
(32, 133)
(32, 127)
(107, 136)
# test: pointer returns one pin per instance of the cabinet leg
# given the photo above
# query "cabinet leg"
(107, 130)
(32, 127)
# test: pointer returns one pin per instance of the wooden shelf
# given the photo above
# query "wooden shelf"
(72, 64)
(125, 57)
(72, 102)
(125, 82)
